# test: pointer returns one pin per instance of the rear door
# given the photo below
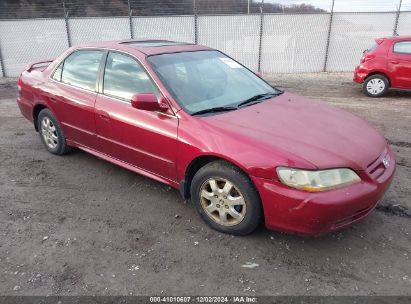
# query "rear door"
(74, 95)
(400, 64)
(144, 139)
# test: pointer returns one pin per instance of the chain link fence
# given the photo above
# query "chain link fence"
(264, 37)
(352, 33)
(404, 23)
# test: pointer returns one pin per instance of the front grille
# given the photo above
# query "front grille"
(377, 168)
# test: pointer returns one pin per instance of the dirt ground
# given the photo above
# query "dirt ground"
(77, 225)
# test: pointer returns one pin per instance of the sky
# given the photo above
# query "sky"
(353, 5)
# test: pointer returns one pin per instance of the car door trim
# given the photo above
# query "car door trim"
(125, 164)
(72, 86)
(128, 103)
(136, 150)
(78, 129)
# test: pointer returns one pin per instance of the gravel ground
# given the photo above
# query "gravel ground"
(77, 225)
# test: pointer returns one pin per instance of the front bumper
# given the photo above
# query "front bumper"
(290, 210)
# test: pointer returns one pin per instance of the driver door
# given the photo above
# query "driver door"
(144, 139)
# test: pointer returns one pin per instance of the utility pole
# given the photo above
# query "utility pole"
(248, 7)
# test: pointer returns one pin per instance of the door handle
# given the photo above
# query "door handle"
(104, 115)
(395, 62)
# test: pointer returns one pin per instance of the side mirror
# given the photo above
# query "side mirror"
(147, 102)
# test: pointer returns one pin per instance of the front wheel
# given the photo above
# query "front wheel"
(226, 199)
(376, 85)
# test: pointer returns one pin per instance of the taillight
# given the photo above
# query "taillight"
(19, 84)
(367, 57)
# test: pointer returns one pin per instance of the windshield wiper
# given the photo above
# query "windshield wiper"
(259, 97)
(214, 110)
(249, 101)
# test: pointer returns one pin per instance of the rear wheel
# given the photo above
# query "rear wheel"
(51, 133)
(226, 199)
(376, 85)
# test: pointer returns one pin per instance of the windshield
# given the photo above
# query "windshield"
(204, 80)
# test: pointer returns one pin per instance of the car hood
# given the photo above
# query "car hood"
(323, 135)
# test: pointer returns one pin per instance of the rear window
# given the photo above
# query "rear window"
(372, 48)
(403, 47)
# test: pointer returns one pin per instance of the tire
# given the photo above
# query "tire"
(376, 85)
(51, 133)
(220, 208)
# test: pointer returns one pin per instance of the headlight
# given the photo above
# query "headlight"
(318, 180)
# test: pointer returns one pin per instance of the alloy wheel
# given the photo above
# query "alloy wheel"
(49, 133)
(222, 201)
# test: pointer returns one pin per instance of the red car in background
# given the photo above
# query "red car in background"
(195, 119)
(387, 64)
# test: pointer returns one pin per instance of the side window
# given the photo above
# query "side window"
(57, 72)
(403, 47)
(124, 77)
(80, 69)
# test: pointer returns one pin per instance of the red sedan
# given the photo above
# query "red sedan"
(387, 64)
(195, 119)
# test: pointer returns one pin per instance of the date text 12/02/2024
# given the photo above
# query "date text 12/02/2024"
(203, 299)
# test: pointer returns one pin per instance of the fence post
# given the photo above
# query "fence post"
(195, 22)
(397, 19)
(130, 19)
(327, 47)
(3, 71)
(67, 24)
(260, 45)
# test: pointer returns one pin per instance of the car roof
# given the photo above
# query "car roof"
(397, 38)
(147, 47)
